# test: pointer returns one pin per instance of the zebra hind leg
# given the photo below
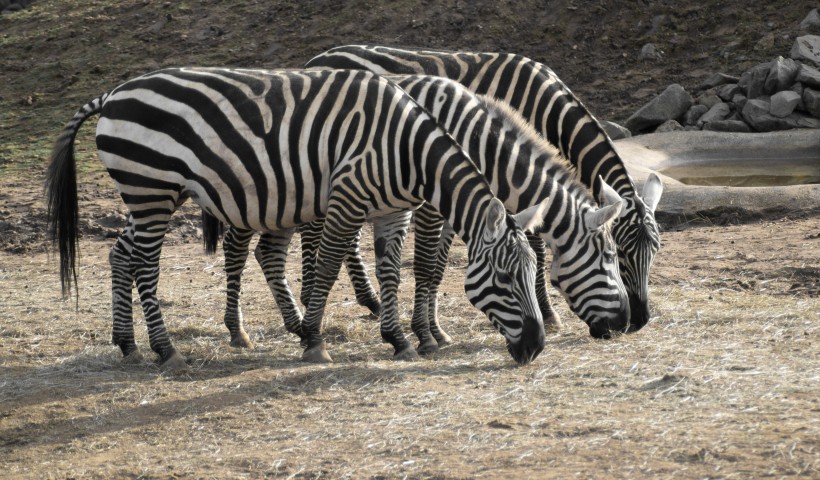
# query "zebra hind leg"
(271, 253)
(235, 247)
(390, 232)
(148, 236)
(122, 283)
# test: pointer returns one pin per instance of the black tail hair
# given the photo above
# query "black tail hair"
(212, 230)
(61, 195)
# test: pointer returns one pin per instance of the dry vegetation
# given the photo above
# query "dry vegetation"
(723, 383)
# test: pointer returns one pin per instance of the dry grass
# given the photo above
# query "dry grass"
(722, 384)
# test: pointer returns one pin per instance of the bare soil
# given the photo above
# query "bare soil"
(723, 383)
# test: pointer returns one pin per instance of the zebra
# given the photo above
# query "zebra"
(548, 104)
(524, 170)
(269, 150)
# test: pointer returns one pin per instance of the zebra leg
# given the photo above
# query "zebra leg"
(311, 235)
(443, 254)
(552, 322)
(149, 233)
(340, 228)
(122, 283)
(271, 253)
(235, 246)
(390, 232)
(365, 294)
(428, 224)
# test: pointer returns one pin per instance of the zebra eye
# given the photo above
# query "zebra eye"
(504, 278)
(609, 256)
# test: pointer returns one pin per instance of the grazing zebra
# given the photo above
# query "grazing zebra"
(540, 96)
(524, 170)
(269, 150)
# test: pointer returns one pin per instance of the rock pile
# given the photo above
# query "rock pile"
(778, 95)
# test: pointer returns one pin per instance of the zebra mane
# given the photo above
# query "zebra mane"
(513, 120)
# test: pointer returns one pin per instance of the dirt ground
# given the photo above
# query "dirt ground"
(723, 383)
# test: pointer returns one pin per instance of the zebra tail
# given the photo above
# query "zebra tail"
(212, 231)
(61, 194)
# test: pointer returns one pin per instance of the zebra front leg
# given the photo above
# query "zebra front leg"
(390, 232)
(552, 322)
(428, 224)
(341, 225)
(271, 253)
(122, 283)
(442, 255)
(235, 247)
(365, 294)
(148, 236)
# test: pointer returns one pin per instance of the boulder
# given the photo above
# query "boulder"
(669, 105)
(781, 75)
(807, 48)
(719, 111)
(812, 21)
(615, 131)
(739, 101)
(693, 114)
(756, 114)
(811, 101)
(728, 126)
(717, 80)
(669, 126)
(708, 98)
(650, 52)
(752, 81)
(808, 76)
(782, 104)
(728, 91)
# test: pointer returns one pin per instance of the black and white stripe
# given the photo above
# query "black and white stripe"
(542, 98)
(524, 171)
(270, 150)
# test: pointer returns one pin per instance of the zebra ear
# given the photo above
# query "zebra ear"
(532, 218)
(604, 215)
(495, 219)
(608, 195)
(652, 190)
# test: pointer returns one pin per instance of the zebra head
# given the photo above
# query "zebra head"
(500, 280)
(585, 268)
(638, 238)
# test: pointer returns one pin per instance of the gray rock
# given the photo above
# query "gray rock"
(804, 121)
(650, 52)
(669, 105)
(615, 131)
(693, 114)
(807, 48)
(811, 101)
(756, 114)
(728, 91)
(781, 75)
(708, 98)
(719, 111)
(739, 101)
(717, 80)
(669, 126)
(798, 89)
(808, 76)
(752, 81)
(782, 104)
(728, 126)
(811, 22)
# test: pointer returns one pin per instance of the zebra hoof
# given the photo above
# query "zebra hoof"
(242, 340)
(174, 364)
(133, 358)
(317, 354)
(406, 355)
(444, 340)
(429, 347)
